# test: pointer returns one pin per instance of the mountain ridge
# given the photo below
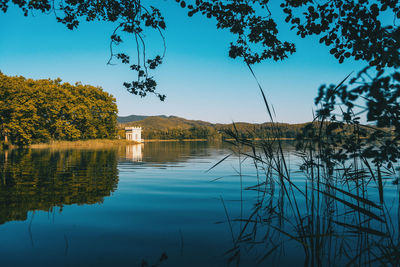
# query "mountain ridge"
(144, 120)
(132, 118)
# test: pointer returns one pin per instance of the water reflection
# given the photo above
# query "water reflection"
(134, 152)
(157, 208)
(169, 152)
(43, 179)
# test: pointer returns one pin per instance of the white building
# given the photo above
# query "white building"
(133, 134)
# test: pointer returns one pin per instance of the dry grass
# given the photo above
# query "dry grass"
(95, 143)
(172, 140)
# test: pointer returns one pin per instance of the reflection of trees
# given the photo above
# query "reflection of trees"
(164, 152)
(42, 179)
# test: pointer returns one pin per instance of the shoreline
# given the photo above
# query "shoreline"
(218, 140)
(99, 143)
(106, 142)
(266, 139)
(91, 143)
(174, 140)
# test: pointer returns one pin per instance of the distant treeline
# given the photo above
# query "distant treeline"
(33, 111)
(179, 134)
(175, 128)
(221, 132)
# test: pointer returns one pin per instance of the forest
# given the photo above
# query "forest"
(221, 132)
(37, 111)
(176, 128)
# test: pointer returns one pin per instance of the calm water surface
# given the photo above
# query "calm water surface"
(120, 206)
(131, 205)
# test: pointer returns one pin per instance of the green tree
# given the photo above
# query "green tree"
(43, 110)
(18, 116)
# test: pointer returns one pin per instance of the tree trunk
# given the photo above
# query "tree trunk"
(5, 139)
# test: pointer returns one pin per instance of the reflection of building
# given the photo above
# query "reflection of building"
(133, 133)
(134, 152)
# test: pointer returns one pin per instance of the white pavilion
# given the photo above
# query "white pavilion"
(133, 134)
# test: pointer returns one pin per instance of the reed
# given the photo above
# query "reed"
(339, 216)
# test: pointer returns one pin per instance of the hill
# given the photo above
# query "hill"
(131, 118)
(165, 123)
(172, 127)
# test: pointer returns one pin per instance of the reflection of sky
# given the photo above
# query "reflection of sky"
(200, 81)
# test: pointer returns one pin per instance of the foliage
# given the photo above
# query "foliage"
(346, 26)
(382, 97)
(43, 110)
(360, 30)
(129, 16)
(180, 134)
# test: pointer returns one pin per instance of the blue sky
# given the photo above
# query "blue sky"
(200, 80)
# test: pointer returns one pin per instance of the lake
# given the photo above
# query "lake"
(117, 206)
(144, 205)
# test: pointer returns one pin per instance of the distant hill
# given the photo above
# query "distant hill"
(172, 127)
(163, 122)
(131, 118)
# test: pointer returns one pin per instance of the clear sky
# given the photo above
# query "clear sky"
(200, 80)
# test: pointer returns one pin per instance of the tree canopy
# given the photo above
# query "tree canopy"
(43, 110)
(361, 30)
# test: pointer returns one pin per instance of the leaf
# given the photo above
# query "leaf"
(361, 228)
(354, 207)
(219, 162)
(358, 198)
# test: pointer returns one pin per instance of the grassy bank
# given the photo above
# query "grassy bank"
(96, 143)
(174, 140)
(93, 143)
(217, 140)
